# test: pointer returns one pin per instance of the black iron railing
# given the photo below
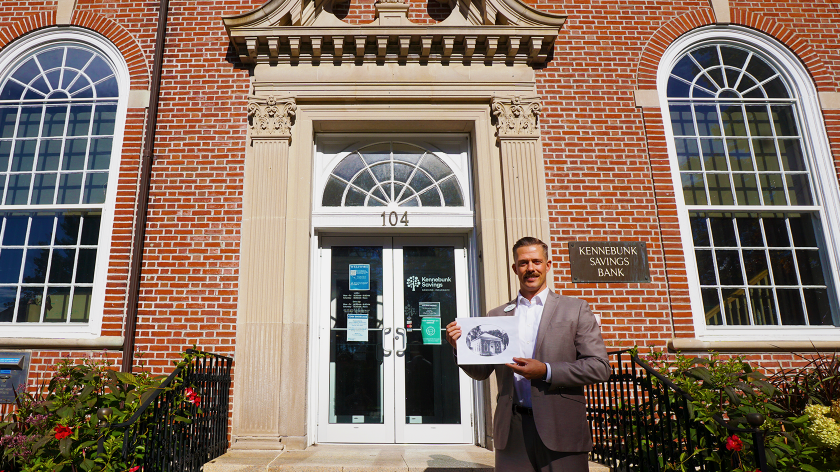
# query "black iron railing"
(642, 422)
(172, 444)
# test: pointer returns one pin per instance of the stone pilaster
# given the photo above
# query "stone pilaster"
(523, 172)
(259, 334)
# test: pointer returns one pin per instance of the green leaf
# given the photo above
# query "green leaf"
(86, 444)
(733, 396)
(181, 419)
(774, 408)
(148, 393)
(64, 412)
(85, 393)
(700, 373)
(745, 387)
(65, 445)
(801, 420)
(771, 458)
(808, 468)
(125, 377)
(41, 442)
(766, 387)
(87, 464)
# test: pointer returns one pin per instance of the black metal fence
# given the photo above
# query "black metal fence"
(172, 444)
(642, 422)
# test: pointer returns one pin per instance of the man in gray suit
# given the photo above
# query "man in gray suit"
(540, 421)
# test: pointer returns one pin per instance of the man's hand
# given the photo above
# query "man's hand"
(531, 369)
(453, 332)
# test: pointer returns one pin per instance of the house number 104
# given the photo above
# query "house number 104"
(394, 219)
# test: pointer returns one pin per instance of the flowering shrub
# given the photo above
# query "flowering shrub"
(57, 429)
(823, 428)
(799, 433)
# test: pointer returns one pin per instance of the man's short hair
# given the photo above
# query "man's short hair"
(530, 241)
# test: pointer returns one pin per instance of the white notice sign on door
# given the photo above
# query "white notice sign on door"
(357, 327)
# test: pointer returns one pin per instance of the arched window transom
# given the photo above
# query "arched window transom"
(392, 174)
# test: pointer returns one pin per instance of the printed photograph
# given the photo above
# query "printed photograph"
(487, 340)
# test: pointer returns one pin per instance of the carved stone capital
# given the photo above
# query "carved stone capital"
(516, 117)
(271, 117)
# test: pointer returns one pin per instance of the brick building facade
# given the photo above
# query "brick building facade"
(572, 121)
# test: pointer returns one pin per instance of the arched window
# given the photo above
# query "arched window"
(752, 205)
(393, 174)
(61, 117)
(405, 181)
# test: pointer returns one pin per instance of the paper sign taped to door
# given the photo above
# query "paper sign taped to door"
(429, 309)
(430, 328)
(357, 327)
(359, 276)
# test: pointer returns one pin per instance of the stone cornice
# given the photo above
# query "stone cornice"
(530, 45)
(270, 117)
(516, 117)
(294, 31)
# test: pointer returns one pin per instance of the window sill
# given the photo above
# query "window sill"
(101, 342)
(700, 345)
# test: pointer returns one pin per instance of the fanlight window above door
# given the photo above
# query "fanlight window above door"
(392, 174)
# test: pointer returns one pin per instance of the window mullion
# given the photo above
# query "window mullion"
(722, 67)
(718, 285)
(744, 277)
(723, 137)
(48, 270)
(78, 250)
(38, 142)
(799, 284)
(771, 277)
(411, 176)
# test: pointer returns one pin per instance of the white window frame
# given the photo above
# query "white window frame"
(9, 57)
(371, 217)
(815, 140)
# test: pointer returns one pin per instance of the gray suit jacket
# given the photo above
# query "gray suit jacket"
(570, 341)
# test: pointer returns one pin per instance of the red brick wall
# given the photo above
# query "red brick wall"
(607, 168)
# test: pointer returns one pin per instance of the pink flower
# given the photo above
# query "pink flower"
(192, 397)
(62, 432)
(134, 469)
(733, 443)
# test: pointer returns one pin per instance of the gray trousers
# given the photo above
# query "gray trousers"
(525, 451)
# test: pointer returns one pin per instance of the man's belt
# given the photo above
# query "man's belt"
(523, 410)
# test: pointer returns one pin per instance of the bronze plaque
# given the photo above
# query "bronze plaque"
(609, 261)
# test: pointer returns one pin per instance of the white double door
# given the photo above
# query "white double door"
(386, 373)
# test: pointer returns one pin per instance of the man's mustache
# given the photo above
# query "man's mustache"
(531, 274)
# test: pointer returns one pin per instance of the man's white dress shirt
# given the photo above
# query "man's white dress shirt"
(529, 314)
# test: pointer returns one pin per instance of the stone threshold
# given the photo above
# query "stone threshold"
(363, 458)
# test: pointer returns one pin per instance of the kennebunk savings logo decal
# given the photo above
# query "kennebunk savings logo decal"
(426, 282)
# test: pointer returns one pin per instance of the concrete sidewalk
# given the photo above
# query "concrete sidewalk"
(361, 458)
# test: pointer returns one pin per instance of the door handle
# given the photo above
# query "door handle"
(402, 334)
(385, 332)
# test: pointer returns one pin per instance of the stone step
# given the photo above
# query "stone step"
(362, 458)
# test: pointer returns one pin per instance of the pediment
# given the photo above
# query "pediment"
(476, 30)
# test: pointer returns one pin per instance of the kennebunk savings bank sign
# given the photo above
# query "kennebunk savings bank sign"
(609, 261)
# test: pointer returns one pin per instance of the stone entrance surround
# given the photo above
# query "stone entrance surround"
(313, 73)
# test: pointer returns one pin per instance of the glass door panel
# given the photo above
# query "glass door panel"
(358, 342)
(435, 403)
